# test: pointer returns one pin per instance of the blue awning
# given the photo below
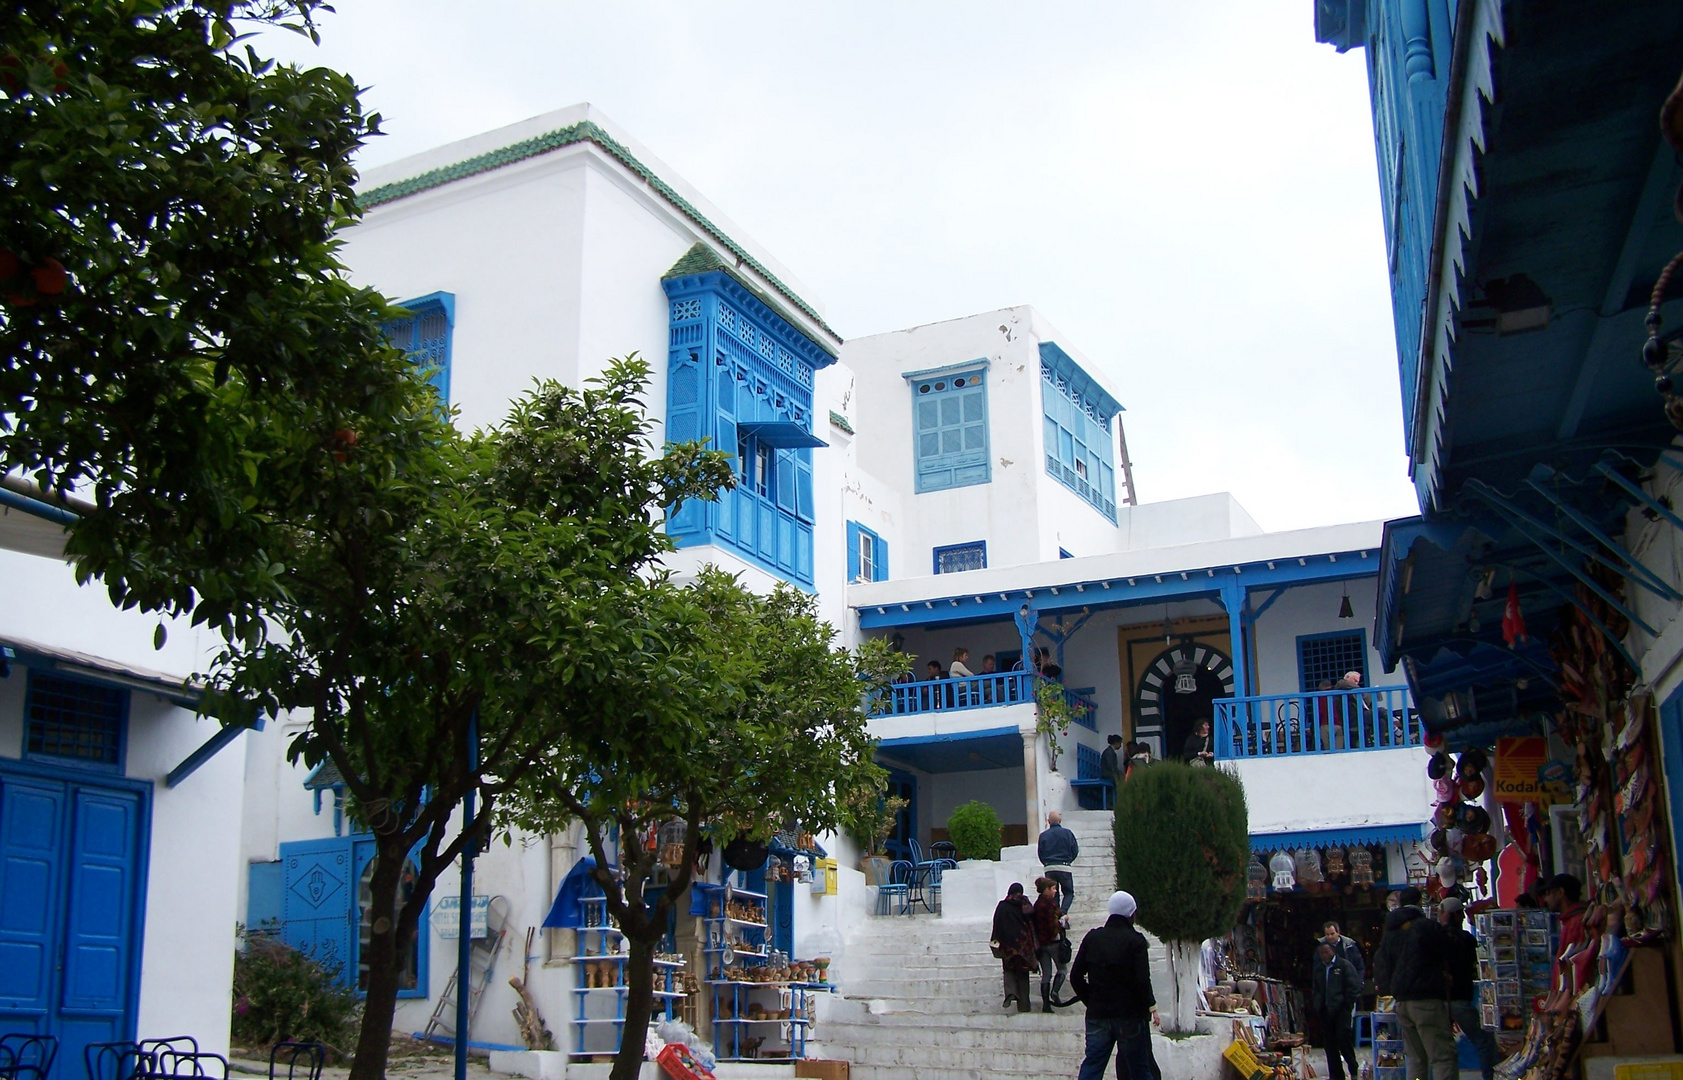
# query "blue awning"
(783, 434)
(1358, 836)
(959, 751)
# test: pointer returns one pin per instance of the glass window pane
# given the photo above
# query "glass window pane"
(1066, 448)
(949, 410)
(928, 415)
(929, 445)
(973, 409)
(950, 441)
(974, 436)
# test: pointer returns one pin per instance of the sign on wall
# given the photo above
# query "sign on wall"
(447, 917)
(1525, 773)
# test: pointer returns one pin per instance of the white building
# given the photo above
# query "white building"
(963, 484)
(119, 817)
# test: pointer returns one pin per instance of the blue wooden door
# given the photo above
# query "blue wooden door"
(31, 873)
(72, 858)
(317, 900)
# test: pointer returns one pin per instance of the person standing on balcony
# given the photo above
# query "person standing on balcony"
(1058, 851)
(1199, 749)
(1014, 945)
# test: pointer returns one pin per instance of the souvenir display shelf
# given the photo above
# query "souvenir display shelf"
(758, 996)
(600, 964)
(1389, 1061)
(1515, 949)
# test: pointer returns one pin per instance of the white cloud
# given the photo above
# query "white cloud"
(1187, 190)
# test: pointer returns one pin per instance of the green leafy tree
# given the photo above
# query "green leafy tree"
(442, 634)
(177, 341)
(744, 716)
(975, 830)
(1182, 845)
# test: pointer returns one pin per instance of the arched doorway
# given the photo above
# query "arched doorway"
(1179, 689)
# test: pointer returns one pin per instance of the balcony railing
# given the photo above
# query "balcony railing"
(1318, 722)
(976, 692)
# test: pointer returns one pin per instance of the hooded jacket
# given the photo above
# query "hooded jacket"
(1112, 972)
(1411, 962)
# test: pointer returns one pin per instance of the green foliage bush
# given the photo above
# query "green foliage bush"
(279, 994)
(1182, 844)
(975, 830)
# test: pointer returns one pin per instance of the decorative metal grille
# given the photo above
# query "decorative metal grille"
(686, 309)
(961, 557)
(1326, 657)
(71, 719)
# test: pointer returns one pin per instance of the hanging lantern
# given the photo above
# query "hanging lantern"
(1344, 611)
(1186, 673)
(1284, 872)
(672, 837)
(1256, 879)
(1335, 866)
(1308, 862)
(1361, 867)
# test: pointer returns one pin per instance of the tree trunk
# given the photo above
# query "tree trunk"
(639, 1004)
(1180, 1012)
(380, 1005)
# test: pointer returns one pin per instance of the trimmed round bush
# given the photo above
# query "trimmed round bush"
(975, 830)
(1182, 845)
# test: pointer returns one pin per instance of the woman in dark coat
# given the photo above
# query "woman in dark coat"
(1014, 944)
(1048, 930)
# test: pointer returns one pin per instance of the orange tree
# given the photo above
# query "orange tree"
(755, 718)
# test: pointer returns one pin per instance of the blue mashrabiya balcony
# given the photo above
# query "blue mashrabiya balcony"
(1316, 722)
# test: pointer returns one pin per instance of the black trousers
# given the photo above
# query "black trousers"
(1339, 1030)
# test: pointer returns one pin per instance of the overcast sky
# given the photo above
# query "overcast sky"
(1186, 191)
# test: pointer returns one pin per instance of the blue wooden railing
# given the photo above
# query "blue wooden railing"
(976, 692)
(1318, 722)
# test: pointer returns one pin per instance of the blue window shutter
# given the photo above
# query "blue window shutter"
(881, 568)
(803, 484)
(852, 551)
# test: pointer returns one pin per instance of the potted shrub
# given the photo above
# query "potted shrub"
(975, 830)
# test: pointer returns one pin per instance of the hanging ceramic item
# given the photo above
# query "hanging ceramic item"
(1308, 862)
(1282, 868)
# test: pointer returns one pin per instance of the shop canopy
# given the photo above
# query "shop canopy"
(1355, 836)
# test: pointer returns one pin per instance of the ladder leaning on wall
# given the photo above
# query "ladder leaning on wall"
(482, 958)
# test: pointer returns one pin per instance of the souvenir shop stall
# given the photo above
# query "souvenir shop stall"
(1578, 966)
(1611, 989)
(1294, 886)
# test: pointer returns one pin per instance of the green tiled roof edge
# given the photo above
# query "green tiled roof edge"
(701, 259)
(840, 421)
(583, 131)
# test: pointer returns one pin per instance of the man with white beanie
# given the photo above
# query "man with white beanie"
(1112, 977)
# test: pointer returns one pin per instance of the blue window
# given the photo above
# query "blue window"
(71, 720)
(1326, 657)
(1079, 442)
(950, 426)
(425, 334)
(956, 558)
(740, 377)
(867, 555)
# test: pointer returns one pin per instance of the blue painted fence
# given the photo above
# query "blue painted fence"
(976, 692)
(1319, 722)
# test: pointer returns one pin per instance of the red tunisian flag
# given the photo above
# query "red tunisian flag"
(1513, 622)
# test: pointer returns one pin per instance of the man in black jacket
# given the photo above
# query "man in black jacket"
(1462, 952)
(1112, 977)
(1336, 986)
(1410, 966)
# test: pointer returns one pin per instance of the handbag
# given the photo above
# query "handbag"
(997, 949)
(1065, 950)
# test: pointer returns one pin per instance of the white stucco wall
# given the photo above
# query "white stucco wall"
(193, 870)
(1369, 787)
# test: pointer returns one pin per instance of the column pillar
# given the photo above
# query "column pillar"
(1031, 781)
(1233, 599)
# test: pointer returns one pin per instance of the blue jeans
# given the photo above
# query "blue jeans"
(1467, 1018)
(1066, 887)
(1132, 1041)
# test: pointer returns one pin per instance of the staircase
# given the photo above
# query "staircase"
(921, 996)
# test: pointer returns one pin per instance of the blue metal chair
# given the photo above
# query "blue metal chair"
(189, 1065)
(897, 887)
(116, 1061)
(27, 1057)
(302, 1060)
